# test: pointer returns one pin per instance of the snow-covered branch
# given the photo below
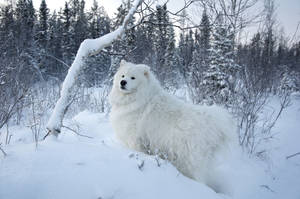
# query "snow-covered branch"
(87, 48)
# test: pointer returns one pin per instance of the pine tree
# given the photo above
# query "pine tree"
(43, 24)
(55, 49)
(66, 31)
(42, 38)
(8, 47)
(118, 47)
(25, 19)
(143, 48)
(204, 43)
(98, 21)
(160, 44)
(148, 30)
(24, 34)
(200, 59)
(7, 32)
(123, 49)
(98, 65)
(181, 52)
(171, 65)
(78, 24)
(219, 78)
(267, 62)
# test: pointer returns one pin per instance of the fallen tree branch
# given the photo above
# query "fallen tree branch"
(87, 48)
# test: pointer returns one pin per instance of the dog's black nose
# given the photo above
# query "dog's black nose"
(123, 83)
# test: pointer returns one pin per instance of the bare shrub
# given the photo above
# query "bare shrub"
(255, 119)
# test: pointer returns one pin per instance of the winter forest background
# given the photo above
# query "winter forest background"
(209, 61)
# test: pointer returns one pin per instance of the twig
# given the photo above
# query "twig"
(48, 133)
(186, 5)
(293, 155)
(141, 165)
(157, 161)
(76, 132)
(5, 154)
(267, 187)
(9, 113)
(59, 60)
(295, 33)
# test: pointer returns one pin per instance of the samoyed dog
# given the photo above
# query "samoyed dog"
(148, 119)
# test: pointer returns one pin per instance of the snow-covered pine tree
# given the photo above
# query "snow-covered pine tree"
(267, 58)
(42, 29)
(288, 81)
(143, 46)
(220, 76)
(98, 65)
(42, 38)
(55, 33)
(149, 31)
(294, 60)
(164, 59)
(7, 33)
(93, 26)
(66, 34)
(25, 19)
(25, 30)
(79, 24)
(122, 48)
(200, 60)
(160, 41)
(98, 21)
(171, 71)
(185, 52)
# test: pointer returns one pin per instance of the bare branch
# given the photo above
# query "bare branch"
(74, 131)
(186, 5)
(59, 60)
(11, 109)
(293, 155)
(5, 154)
(295, 33)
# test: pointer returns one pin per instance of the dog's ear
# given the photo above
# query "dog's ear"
(123, 63)
(146, 71)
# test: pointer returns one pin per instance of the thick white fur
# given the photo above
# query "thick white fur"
(148, 119)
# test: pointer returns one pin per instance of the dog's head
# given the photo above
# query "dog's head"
(130, 77)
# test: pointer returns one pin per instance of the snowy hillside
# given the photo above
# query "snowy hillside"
(79, 167)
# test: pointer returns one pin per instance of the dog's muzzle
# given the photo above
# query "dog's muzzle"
(123, 84)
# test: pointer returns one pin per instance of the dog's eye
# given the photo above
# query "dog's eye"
(123, 76)
(132, 77)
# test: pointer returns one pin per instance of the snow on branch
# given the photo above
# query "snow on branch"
(87, 48)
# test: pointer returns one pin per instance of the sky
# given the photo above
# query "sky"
(289, 14)
(288, 11)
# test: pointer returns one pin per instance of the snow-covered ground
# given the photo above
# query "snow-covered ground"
(100, 167)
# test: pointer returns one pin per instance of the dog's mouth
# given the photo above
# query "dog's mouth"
(123, 89)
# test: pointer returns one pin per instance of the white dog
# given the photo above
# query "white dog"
(148, 119)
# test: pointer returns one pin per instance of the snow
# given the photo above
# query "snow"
(74, 166)
(78, 167)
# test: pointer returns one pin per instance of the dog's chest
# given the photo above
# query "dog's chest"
(125, 126)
